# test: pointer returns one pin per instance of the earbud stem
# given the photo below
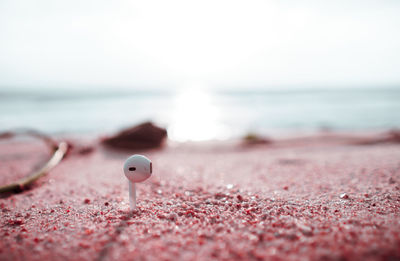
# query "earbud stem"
(132, 195)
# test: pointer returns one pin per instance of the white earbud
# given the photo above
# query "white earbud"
(137, 168)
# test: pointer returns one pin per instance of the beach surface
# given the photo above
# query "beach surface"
(322, 197)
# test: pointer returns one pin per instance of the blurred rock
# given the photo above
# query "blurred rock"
(255, 139)
(142, 136)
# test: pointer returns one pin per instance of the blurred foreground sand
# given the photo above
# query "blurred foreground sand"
(315, 198)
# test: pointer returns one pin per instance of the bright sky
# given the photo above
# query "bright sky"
(227, 44)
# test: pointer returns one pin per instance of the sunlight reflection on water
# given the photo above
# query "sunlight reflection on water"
(195, 117)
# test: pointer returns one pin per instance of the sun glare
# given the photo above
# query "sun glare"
(195, 117)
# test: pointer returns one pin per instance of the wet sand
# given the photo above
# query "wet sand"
(318, 198)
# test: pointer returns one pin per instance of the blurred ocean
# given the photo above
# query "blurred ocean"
(201, 114)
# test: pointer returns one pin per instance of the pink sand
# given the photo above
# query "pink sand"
(318, 199)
